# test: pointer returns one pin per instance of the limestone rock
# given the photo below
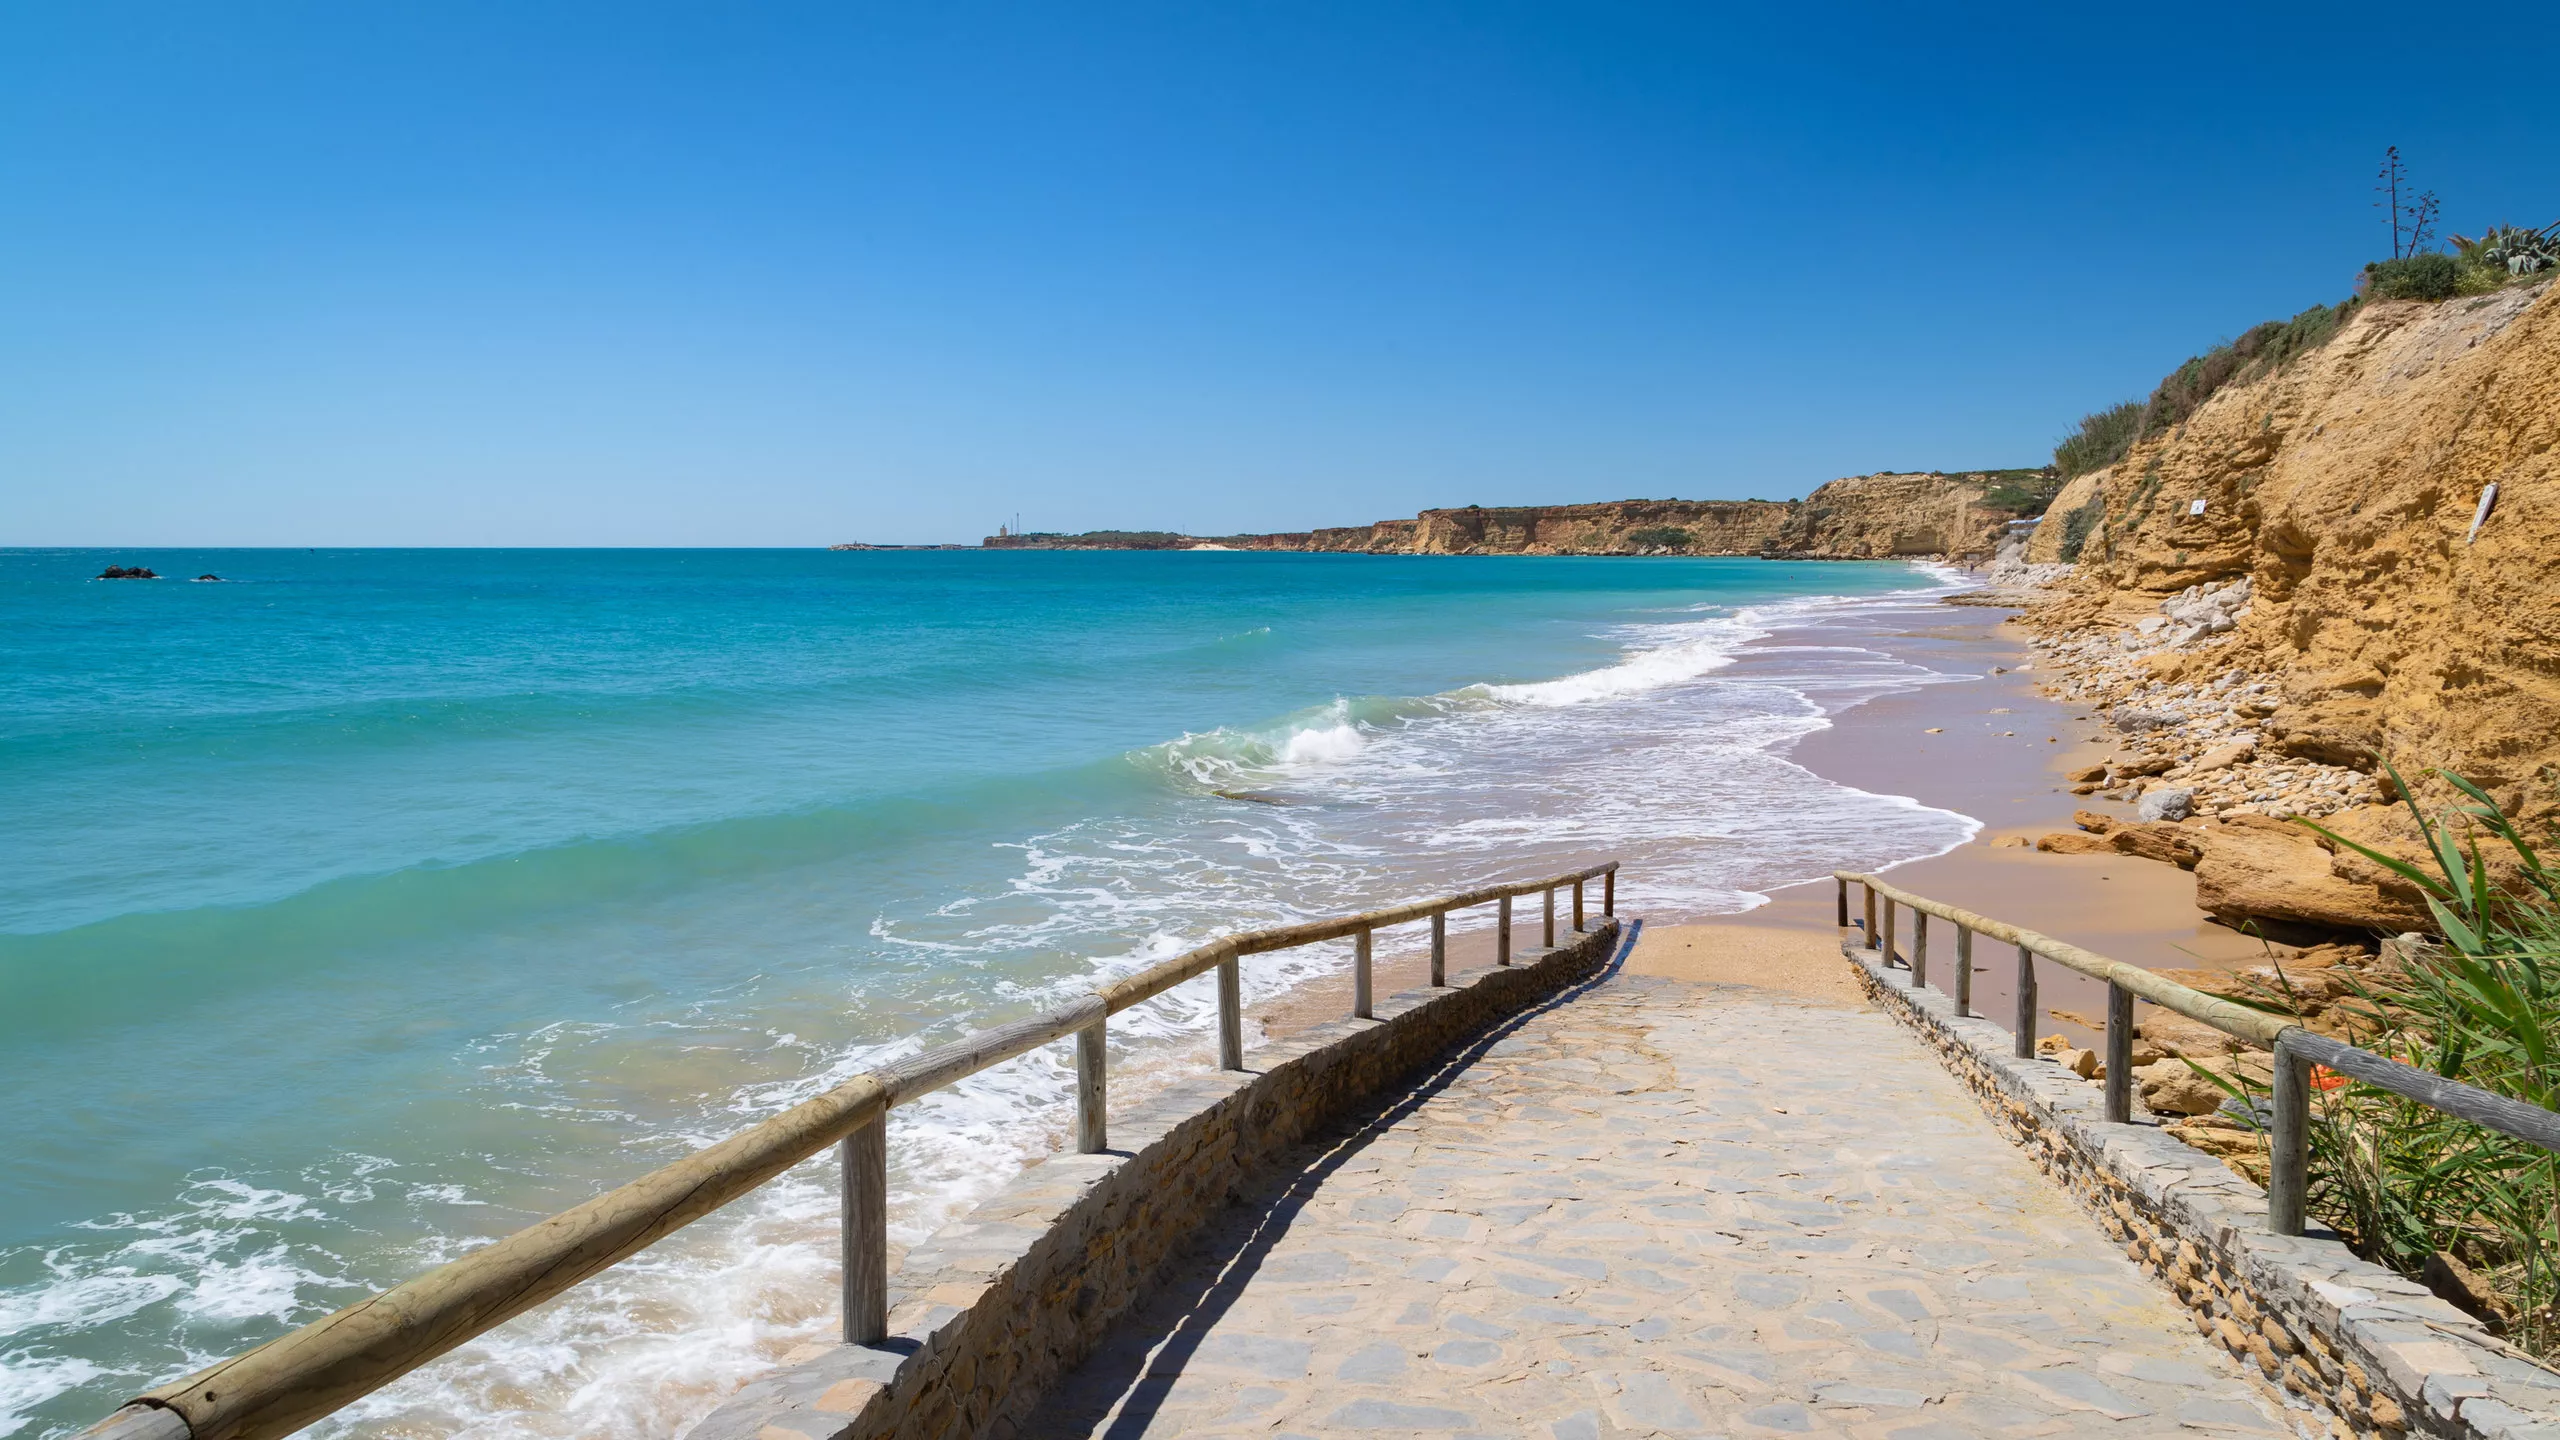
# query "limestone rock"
(2248, 872)
(2172, 1087)
(2223, 757)
(2166, 802)
(2155, 840)
(2072, 842)
(2175, 1034)
(2342, 486)
(2092, 821)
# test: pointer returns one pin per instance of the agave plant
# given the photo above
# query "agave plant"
(2513, 248)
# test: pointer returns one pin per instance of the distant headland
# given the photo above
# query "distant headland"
(1959, 514)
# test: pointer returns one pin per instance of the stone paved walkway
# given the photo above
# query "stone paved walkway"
(1666, 1209)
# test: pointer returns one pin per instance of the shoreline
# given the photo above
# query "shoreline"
(1992, 746)
(1998, 749)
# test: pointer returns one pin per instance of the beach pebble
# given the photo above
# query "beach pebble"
(2167, 802)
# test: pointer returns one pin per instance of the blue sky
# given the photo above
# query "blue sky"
(452, 273)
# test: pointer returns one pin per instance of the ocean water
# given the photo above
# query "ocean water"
(371, 904)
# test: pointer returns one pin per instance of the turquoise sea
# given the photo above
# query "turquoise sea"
(371, 903)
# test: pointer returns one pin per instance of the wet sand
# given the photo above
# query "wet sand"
(2000, 756)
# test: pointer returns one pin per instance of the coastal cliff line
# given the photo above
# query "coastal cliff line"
(2327, 563)
(2374, 524)
(1864, 517)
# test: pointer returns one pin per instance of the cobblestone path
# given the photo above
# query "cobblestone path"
(1660, 1208)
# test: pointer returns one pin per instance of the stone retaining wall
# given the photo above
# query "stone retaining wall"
(2350, 1348)
(987, 1314)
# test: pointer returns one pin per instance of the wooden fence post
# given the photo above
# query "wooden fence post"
(1964, 970)
(1550, 932)
(1360, 986)
(1439, 947)
(1888, 933)
(1867, 941)
(2289, 1142)
(864, 1156)
(1577, 907)
(1919, 949)
(1092, 1086)
(1230, 1014)
(2119, 1054)
(1609, 891)
(1844, 903)
(2026, 1026)
(1502, 934)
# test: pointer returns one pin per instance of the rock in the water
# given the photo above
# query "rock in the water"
(127, 572)
(2166, 802)
(208, 575)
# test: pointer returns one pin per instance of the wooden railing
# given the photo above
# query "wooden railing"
(295, 1379)
(2295, 1049)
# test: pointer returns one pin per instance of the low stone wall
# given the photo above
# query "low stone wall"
(987, 1314)
(2351, 1349)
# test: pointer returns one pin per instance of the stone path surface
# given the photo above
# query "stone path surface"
(1664, 1208)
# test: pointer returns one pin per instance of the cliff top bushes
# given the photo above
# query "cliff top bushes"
(2103, 438)
(2502, 256)
(1660, 537)
(2020, 492)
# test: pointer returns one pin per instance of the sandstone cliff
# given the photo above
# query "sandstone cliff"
(1865, 517)
(2344, 487)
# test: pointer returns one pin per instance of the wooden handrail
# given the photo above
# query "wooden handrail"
(290, 1381)
(2296, 1049)
(2256, 1026)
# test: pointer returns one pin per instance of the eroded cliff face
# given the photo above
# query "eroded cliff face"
(1865, 517)
(2344, 487)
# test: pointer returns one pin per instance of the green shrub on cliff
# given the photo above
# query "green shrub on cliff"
(2100, 441)
(2078, 526)
(2020, 492)
(1660, 537)
(2414, 277)
(2103, 438)
(2502, 256)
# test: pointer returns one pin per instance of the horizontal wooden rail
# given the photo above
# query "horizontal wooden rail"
(2296, 1049)
(290, 1381)
(2256, 1026)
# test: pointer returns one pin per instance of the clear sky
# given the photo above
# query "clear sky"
(523, 273)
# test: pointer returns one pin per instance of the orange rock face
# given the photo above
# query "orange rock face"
(2346, 486)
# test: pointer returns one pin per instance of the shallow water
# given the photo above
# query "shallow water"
(372, 903)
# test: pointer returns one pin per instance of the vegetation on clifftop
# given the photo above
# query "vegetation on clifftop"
(2101, 439)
